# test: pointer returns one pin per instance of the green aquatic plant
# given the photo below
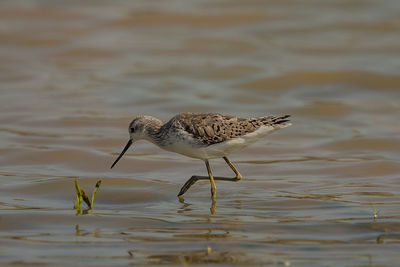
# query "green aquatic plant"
(375, 213)
(81, 195)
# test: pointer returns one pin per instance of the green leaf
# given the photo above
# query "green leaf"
(96, 188)
(78, 203)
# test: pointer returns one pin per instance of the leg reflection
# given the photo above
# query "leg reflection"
(185, 205)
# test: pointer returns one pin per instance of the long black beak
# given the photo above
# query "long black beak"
(123, 152)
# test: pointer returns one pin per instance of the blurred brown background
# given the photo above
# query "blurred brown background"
(74, 73)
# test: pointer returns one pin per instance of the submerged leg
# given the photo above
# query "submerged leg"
(195, 178)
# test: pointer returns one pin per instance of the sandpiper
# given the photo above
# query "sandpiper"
(203, 136)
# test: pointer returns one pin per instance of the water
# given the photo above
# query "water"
(73, 75)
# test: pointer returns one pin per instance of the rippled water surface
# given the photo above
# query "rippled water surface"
(73, 75)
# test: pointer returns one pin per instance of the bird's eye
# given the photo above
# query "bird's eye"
(132, 130)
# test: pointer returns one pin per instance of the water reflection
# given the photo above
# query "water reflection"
(186, 206)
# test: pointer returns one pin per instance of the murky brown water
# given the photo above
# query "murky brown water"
(73, 75)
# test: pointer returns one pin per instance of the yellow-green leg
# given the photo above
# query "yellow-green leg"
(210, 175)
(195, 178)
(238, 175)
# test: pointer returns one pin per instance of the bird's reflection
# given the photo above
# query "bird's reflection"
(185, 205)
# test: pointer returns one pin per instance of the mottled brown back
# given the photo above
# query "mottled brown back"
(214, 128)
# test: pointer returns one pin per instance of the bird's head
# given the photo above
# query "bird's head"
(139, 128)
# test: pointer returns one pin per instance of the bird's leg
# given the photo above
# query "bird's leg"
(238, 175)
(213, 205)
(213, 187)
(191, 182)
(195, 178)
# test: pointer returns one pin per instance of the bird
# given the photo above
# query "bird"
(203, 136)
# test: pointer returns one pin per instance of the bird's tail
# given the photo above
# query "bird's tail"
(280, 121)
